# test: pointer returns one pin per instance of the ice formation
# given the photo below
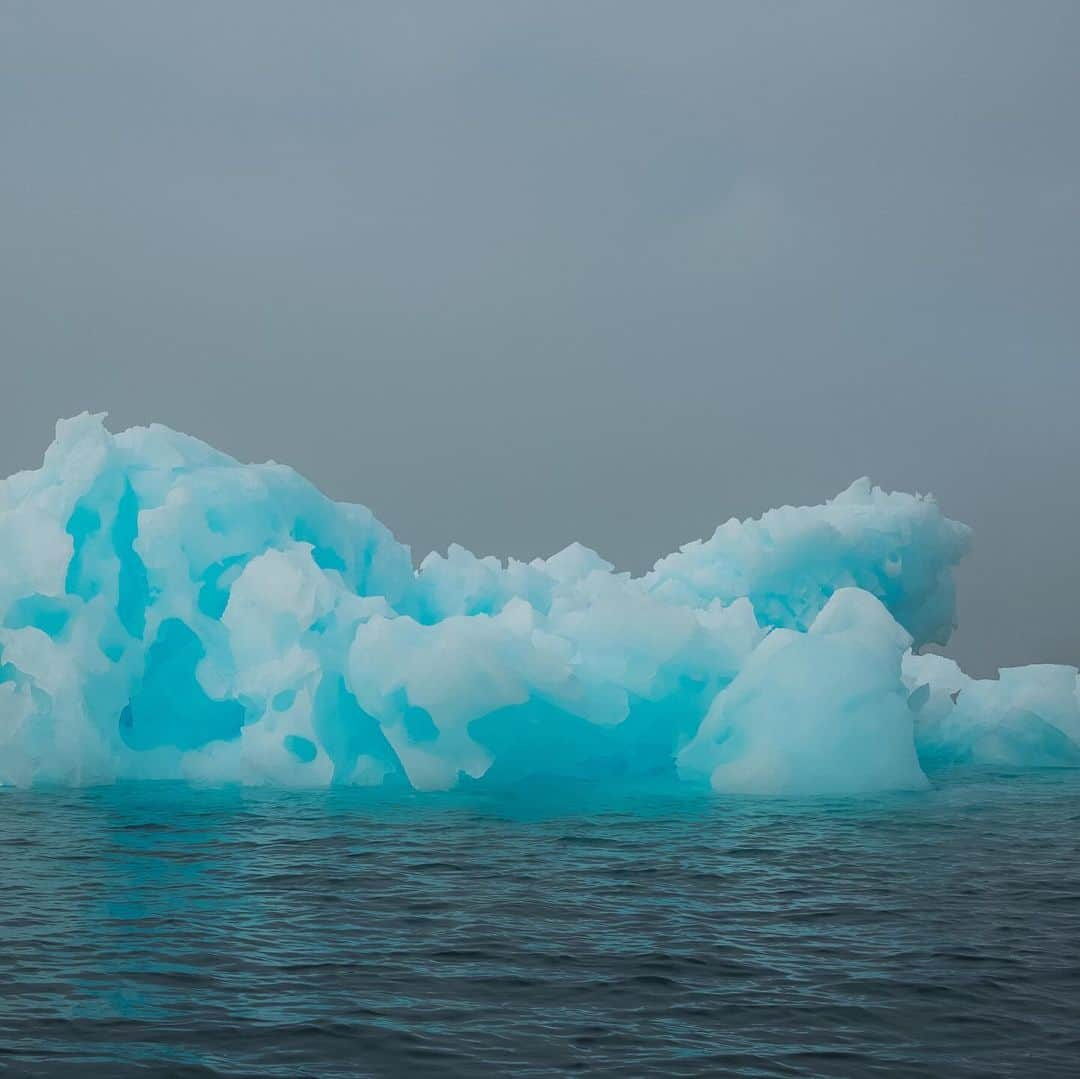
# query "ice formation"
(166, 612)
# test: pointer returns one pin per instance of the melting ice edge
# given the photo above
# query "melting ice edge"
(169, 613)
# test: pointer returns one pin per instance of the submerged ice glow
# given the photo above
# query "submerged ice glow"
(166, 612)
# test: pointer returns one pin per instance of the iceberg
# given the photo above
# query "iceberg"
(169, 613)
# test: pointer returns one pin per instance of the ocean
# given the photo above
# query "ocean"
(165, 929)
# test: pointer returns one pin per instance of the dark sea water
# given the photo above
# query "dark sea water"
(164, 930)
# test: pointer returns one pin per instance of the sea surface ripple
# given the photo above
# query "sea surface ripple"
(161, 929)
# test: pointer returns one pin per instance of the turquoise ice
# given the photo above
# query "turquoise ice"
(166, 612)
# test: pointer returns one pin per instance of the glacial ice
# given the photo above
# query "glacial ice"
(168, 613)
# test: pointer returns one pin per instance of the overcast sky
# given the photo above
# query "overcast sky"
(516, 274)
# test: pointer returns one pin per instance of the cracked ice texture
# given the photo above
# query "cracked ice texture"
(166, 612)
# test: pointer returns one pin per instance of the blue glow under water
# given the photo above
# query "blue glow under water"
(156, 928)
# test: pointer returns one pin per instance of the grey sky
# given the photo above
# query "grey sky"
(516, 274)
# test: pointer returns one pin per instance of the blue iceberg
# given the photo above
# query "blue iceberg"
(169, 613)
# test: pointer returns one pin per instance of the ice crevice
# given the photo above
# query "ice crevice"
(169, 613)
